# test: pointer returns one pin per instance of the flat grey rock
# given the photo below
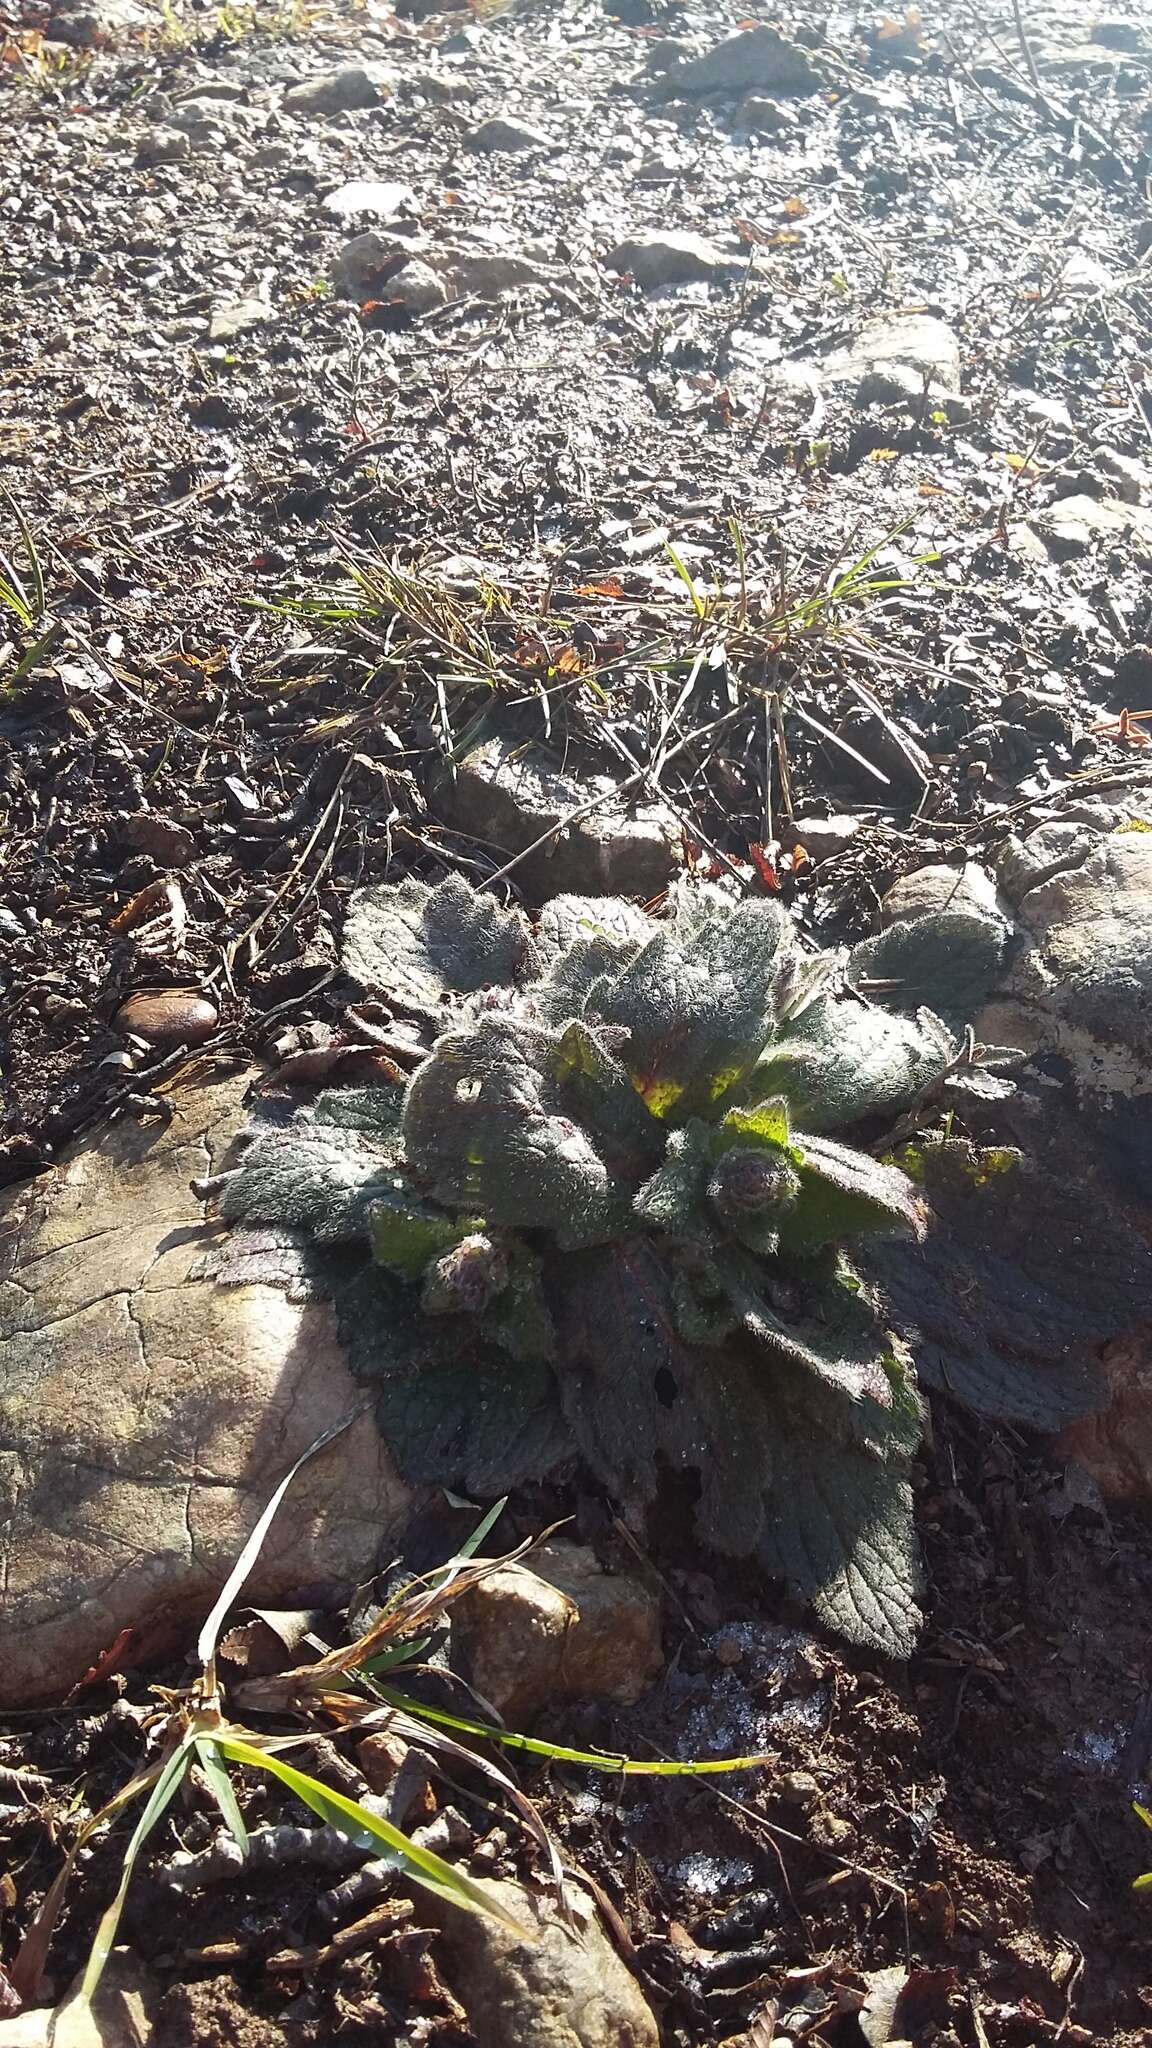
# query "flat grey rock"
(669, 257)
(756, 59)
(146, 1415)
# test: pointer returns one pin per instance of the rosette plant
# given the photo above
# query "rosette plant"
(604, 1217)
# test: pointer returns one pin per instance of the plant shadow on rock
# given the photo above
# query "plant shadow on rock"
(603, 1220)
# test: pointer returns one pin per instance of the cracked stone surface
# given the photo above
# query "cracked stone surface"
(1081, 983)
(146, 1415)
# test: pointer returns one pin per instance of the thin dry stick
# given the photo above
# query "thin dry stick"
(1026, 48)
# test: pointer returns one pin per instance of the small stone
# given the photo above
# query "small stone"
(416, 288)
(798, 1788)
(206, 119)
(563, 1630)
(567, 1988)
(380, 1757)
(509, 138)
(343, 91)
(510, 794)
(374, 198)
(1072, 525)
(164, 146)
(763, 116)
(1083, 273)
(364, 264)
(229, 322)
(170, 844)
(830, 1831)
(937, 888)
(823, 838)
(917, 342)
(1130, 477)
(488, 274)
(166, 1018)
(1050, 850)
(671, 257)
(755, 57)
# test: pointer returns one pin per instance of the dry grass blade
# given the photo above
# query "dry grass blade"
(210, 1633)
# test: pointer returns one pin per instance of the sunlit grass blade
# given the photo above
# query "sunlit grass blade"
(163, 1793)
(209, 1634)
(687, 579)
(353, 1820)
(631, 1767)
(222, 1791)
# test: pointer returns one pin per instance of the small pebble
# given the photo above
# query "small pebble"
(166, 1018)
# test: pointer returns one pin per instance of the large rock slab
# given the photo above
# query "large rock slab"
(1082, 987)
(146, 1415)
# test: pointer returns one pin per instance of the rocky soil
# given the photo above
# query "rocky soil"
(561, 444)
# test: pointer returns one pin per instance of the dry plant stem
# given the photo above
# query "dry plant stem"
(1026, 47)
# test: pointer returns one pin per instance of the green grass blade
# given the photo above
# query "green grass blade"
(357, 1823)
(209, 1634)
(408, 1652)
(163, 1793)
(222, 1791)
(632, 1767)
(38, 594)
(1144, 1883)
(483, 1529)
(1142, 1813)
(681, 568)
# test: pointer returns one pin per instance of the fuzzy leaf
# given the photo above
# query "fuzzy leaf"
(698, 1013)
(321, 1173)
(840, 1531)
(842, 1060)
(950, 960)
(566, 920)
(1027, 1270)
(844, 1193)
(414, 945)
(453, 1410)
(596, 1090)
(406, 1233)
(671, 1199)
(635, 1393)
(588, 964)
(764, 1123)
(828, 1331)
(486, 1127)
(519, 1320)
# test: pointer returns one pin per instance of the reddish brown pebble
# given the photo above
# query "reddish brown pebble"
(168, 1017)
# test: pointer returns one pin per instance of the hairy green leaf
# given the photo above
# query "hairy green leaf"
(842, 1060)
(844, 1193)
(453, 1408)
(698, 1013)
(322, 1172)
(486, 1128)
(414, 946)
(1028, 1268)
(950, 960)
(839, 1530)
(406, 1233)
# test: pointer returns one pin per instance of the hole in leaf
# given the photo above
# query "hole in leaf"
(468, 1090)
(667, 1392)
